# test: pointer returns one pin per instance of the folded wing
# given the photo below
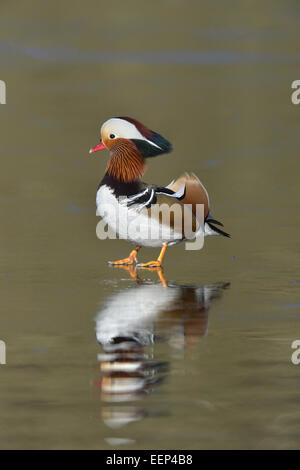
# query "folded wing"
(195, 192)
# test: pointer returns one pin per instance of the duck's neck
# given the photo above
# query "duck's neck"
(120, 188)
(126, 163)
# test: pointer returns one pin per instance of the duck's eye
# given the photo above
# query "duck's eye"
(112, 136)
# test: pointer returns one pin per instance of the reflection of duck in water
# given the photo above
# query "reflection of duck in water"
(134, 319)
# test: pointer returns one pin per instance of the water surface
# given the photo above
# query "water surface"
(98, 358)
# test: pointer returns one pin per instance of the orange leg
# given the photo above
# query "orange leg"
(158, 262)
(130, 260)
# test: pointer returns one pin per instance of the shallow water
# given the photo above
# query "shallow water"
(206, 362)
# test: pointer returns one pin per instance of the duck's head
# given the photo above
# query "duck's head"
(129, 143)
(127, 130)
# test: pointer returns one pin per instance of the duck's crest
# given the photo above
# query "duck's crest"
(159, 143)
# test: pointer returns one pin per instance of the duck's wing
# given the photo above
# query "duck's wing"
(196, 194)
(175, 217)
(195, 191)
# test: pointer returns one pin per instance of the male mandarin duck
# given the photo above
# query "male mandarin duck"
(124, 201)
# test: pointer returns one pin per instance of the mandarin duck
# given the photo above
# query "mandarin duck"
(125, 202)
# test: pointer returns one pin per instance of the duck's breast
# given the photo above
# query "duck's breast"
(132, 223)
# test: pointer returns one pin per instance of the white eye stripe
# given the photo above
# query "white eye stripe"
(124, 129)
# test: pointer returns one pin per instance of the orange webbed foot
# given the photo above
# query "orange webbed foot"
(126, 261)
(122, 262)
(158, 262)
(150, 264)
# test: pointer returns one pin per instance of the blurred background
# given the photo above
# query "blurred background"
(209, 364)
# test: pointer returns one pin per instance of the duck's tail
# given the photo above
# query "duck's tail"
(211, 229)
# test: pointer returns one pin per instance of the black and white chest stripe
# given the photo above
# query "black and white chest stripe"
(148, 197)
(138, 194)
